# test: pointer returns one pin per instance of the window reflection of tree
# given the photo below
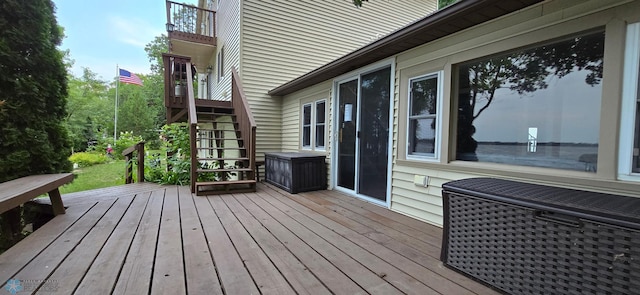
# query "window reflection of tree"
(423, 102)
(523, 72)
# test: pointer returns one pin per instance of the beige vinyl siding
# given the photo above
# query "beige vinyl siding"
(529, 26)
(228, 32)
(292, 112)
(291, 119)
(282, 40)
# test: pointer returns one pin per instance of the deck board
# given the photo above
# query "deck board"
(264, 273)
(101, 277)
(168, 270)
(234, 277)
(400, 280)
(12, 260)
(39, 269)
(298, 276)
(152, 239)
(201, 274)
(77, 263)
(332, 276)
(135, 275)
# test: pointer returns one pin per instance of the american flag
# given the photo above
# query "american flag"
(129, 77)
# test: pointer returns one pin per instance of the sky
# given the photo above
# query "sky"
(103, 35)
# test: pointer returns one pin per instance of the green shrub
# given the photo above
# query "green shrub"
(177, 170)
(87, 159)
(125, 140)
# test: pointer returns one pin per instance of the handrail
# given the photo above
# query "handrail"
(128, 155)
(190, 19)
(244, 117)
(193, 126)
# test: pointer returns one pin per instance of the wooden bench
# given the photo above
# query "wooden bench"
(16, 192)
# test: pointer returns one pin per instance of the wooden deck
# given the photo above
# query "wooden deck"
(145, 238)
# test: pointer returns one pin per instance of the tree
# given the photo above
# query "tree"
(134, 113)
(445, 3)
(88, 109)
(154, 83)
(154, 49)
(33, 86)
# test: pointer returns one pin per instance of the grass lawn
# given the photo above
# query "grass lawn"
(97, 176)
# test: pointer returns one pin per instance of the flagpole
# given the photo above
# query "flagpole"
(115, 118)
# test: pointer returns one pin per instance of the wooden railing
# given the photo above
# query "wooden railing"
(128, 154)
(244, 117)
(175, 85)
(190, 20)
(193, 127)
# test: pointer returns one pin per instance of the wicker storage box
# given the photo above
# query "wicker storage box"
(533, 239)
(296, 172)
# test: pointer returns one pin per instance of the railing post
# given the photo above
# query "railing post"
(193, 124)
(128, 172)
(140, 148)
(128, 155)
(194, 156)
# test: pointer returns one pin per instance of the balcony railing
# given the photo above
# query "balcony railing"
(191, 23)
(175, 85)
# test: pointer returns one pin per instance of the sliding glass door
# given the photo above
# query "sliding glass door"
(363, 134)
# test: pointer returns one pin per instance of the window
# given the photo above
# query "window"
(220, 62)
(424, 100)
(629, 162)
(306, 126)
(320, 124)
(534, 107)
(313, 125)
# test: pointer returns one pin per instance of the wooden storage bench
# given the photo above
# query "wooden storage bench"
(296, 172)
(16, 192)
(524, 238)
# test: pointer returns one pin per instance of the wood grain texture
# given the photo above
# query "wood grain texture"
(151, 239)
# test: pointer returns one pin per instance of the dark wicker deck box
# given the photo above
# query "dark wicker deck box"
(534, 239)
(296, 172)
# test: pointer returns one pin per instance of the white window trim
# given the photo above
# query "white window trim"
(303, 146)
(312, 134)
(629, 103)
(315, 124)
(220, 65)
(439, 101)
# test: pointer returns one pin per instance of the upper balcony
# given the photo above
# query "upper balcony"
(192, 32)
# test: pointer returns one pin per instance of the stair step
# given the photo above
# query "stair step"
(224, 170)
(217, 129)
(214, 120)
(226, 182)
(216, 114)
(221, 148)
(223, 159)
(219, 138)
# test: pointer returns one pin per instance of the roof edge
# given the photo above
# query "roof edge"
(446, 14)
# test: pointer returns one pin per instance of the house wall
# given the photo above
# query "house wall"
(532, 25)
(538, 23)
(291, 117)
(282, 40)
(228, 32)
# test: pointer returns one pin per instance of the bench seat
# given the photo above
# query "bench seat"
(16, 192)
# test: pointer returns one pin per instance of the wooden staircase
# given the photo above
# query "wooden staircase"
(222, 134)
(224, 165)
